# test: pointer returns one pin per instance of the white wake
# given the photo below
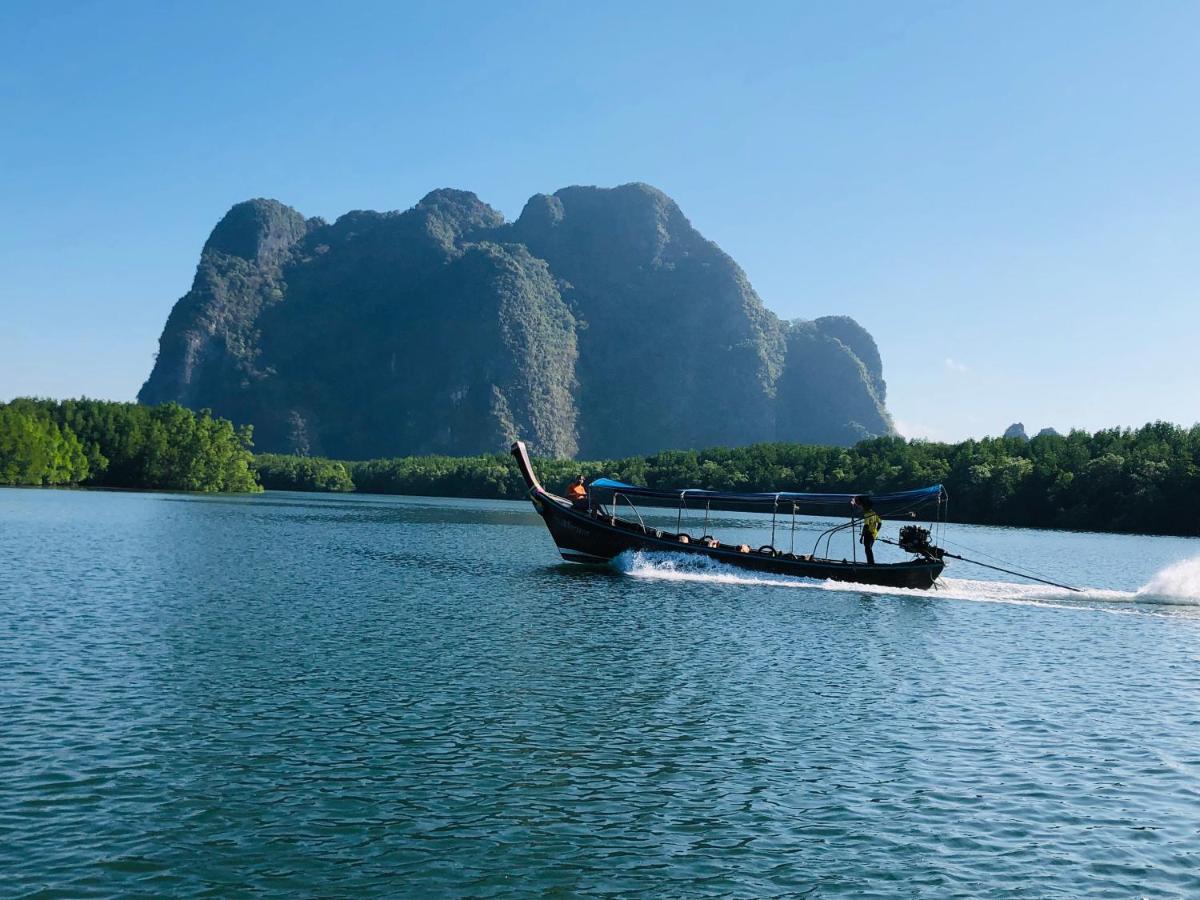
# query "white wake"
(1178, 584)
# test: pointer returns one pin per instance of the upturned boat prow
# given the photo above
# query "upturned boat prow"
(589, 531)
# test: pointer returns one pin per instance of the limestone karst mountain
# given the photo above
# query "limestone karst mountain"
(599, 323)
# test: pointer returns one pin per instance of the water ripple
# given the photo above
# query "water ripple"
(333, 697)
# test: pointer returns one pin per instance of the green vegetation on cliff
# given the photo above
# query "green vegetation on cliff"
(600, 323)
(1141, 480)
(107, 444)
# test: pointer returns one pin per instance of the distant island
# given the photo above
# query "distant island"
(600, 323)
(1017, 430)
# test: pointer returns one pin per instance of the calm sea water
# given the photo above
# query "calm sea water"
(342, 696)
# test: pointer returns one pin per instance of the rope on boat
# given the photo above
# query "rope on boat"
(1065, 587)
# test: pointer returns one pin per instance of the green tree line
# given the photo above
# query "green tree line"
(279, 472)
(109, 444)
(1134, 480)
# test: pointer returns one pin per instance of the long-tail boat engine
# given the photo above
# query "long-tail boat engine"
(915, 539)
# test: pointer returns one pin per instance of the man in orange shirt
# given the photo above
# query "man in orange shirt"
(577, 493)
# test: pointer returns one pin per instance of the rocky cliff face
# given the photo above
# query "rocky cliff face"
(600, 323)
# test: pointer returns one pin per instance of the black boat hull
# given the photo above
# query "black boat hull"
(584, 536)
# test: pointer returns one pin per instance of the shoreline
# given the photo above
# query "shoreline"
(519, 500)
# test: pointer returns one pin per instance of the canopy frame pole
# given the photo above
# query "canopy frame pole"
(827, 536)
(793, 544)
(706, 509)
(774, 510)
(679, 514)
(617, 499)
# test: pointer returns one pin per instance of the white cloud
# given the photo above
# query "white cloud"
(918, 430)
(953, 365)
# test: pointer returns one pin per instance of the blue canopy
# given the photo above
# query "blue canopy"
(602, 490)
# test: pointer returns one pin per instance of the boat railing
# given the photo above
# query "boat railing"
(618, 496)
(827, 536)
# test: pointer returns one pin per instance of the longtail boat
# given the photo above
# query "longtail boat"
(590, 531)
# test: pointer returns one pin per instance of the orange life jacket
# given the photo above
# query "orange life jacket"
(576, 492)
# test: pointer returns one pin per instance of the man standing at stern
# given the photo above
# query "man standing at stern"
(870, 527)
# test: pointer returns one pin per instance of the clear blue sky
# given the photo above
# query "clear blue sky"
(1007, 194)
